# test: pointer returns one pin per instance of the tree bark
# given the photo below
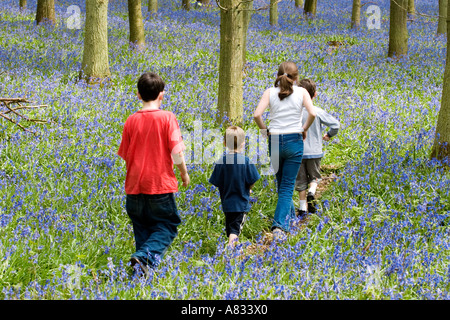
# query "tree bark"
(398, 31)
(152, 5)
(411, 8)
(441, 147)
(45, 11)
(186, 5)
(310, 7)
(273, 13)
(442, 24)
(22, 4)
(137, 36)
(247, 15)
(95, 63)
(230, 97)
(356, 14)
(299, 3)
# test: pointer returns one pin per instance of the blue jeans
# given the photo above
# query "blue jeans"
(155, 220)
(286, 151)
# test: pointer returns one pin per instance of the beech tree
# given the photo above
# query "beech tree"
(398, 31)
(411, 8)
(299, 3)
(45, 11)
(356, 14)
(153, 5)
(95, 63)
(441, 146)
(230, 97)
(310, 8)
(22, 4)
(137, 36)
(273, 12)
(442, 24)
(186, 4)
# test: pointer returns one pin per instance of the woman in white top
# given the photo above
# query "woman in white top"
(286, 134)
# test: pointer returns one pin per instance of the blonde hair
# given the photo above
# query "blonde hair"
(234, 135)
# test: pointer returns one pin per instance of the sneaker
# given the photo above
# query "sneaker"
(279, 235)
(310, 201)
(300, 213)
(138, 267)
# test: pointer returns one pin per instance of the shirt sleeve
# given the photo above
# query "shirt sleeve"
(124, 144)
(175, 143)
(331, 122)
(252, 174)
(215, 178)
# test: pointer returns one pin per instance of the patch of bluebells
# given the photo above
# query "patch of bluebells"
(381, 231)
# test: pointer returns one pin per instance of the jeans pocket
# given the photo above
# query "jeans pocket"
(163, 205)
(134, 205)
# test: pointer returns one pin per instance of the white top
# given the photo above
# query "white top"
(286, 115)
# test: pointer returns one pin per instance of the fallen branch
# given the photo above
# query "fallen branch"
(7, 107)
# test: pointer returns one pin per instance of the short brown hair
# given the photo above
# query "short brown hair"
(234, 135)
(150, 85)
(309, 85)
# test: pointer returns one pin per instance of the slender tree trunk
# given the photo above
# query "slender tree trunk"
(411, 8)
(95, 63)
(230, 97)
(45, 11)
(310, 7)
(356, 14)
(441, 146)
(23, 4)
(247, 15)
(205, 2)
(398, 31)
(152, 5)
(137, 36)
(299, 3)
(273, 13)
(186, 4)
(442, 24)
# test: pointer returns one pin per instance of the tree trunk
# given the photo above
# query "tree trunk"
(152, 6)
(299, 3)
(411, 8)
(356, 14)
(230, 98)
(95, 63)
(273, 13)
(441, 146)
(22, 4)
(45, 11)
(137, 36)
(186, 5)
(310, 8)
(398, 31)
(442, 24)
(247, 15)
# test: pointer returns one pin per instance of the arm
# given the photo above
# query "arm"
(331, 122)
(307, 103)
(178, 159)
(262, 106)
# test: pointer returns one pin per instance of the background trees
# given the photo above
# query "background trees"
(398, 32)
(45, 11)
(137, 37)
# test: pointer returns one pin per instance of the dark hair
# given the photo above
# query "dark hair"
(287, 75)
(309, 85)
(150, 85)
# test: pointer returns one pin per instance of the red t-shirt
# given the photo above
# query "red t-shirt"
(149, 138)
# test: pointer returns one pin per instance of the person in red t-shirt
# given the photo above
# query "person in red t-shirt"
(151, 144)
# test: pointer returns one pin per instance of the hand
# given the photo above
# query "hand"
(326, 137)
(186, 180)
(304, 135)
(265, 133)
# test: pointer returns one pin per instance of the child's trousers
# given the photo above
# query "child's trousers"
(155, 220)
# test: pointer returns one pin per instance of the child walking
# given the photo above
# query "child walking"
(151, 144)
(235, 176)
(309, 172)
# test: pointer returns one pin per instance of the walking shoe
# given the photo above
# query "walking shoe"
(311, 204)
(300, 213)
(279, 235)
(138, 267)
